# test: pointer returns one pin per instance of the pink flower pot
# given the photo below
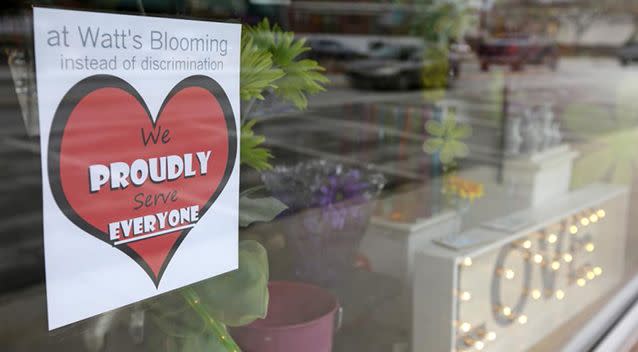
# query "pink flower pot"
(301, 317)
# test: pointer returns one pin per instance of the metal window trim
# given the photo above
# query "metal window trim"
(612, 328)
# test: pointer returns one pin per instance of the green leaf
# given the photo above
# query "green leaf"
(434, 128)
(202, 342)
(257, 71)
(156, 340)
(462, 131)
(258, 209)
(301, 77)
(239, 297)
(172, 315)
(432, 145)
(459, 149)
(250, 152)
(447, 154)
(449, 122)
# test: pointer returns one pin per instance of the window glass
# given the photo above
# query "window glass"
(413, 176)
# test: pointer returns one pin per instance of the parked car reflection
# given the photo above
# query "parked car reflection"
(517, 51)
(403, 67)
(323, 49)
(628, 53)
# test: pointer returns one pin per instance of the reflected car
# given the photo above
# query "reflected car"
(398, 67)
(323, 49)
(628, 53)
(517, 52)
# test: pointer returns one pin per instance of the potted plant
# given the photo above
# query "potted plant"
(195, 318)
(331, 204)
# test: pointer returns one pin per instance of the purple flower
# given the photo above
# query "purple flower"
(333, 203)
(335, 190)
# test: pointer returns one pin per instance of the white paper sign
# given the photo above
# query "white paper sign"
(138, 125)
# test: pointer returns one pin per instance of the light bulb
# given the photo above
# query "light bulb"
(581, 282)
(467, 261)
(465, 296)
(598, 271)
(522, 319)
(509, 274)
(507, 311)
(552, 238)
(468, 341)
(593, 218)
(479, 345)
(584, 221)
(490, 336)
(536, 294)
(589, 247)
(560, 294)
(567, 257)
(555, 265)
(465, 327)
(527, 244)
(590, 275)
(601, 213)
(538, 258)
(573, 229)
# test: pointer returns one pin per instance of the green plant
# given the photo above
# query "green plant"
(438, 21)
(300, 77)
(270, 65)
(436, 67)
(445, 139)
(195, 318)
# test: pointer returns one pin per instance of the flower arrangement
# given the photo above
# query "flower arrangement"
(446, 141)
(465, 189)
(332, 203)
(322, 183)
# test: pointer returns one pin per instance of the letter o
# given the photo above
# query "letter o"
(173, 218)
(519, 307)
(139, 172)
(183, 41)
(127, 64)
(173, 43)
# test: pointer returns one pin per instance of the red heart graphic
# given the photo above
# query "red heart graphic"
(102, 127)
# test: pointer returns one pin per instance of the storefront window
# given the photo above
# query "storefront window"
(404, 176)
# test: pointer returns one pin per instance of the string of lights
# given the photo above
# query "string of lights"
(549, 258)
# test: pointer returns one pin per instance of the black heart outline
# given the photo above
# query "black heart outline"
(95, 82)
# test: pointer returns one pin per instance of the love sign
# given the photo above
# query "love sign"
(521, 286)
(140, 170)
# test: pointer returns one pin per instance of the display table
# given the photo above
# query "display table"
(404, 223)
